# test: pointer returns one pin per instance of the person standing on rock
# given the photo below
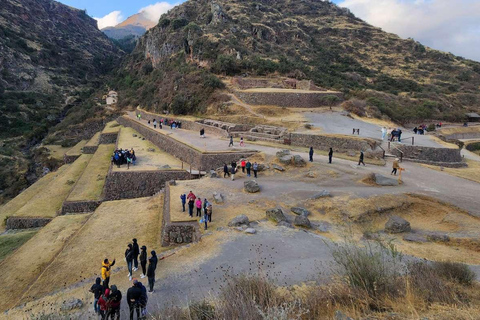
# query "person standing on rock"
(152, 266)
(129, 260)
(395, 167)
(136, 252)
(360, 160)
(231, 142)
(143, 261)
(183, 198)
(198, 205)
(106, 267)
(255, 169)
(225, 170)
(330, 155)
(97, 290)
(248, 166)
(310, 153)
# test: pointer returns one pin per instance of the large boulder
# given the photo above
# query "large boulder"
(300, 211)
(250, 231)
(282, 153)
(276, 214)
(414, 237)
(397, 224)
(239, 220)
(302, 221)
(385, 181)
(251, 186)
(278, 168)
(298, 161)
(218, 198)
(286, 159)
(284, 224)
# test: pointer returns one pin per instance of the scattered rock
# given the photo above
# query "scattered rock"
(434, 237)
(397, 224)
(251, 186)
(278, 168)
(385, 181)
(238, 221)
(300, 211)
(298, 161)
(218, 198)
(282, 153)
(322, 226)
(240, 229)
(311, 174)
(302, 221)
(262, 167)
(284, 224)
(250, 231)
(322, 194)
(72, 304)
(151, 150)
(276, 214)
(220, 228)
(413, 237)
(70, 182)
(143, 138)
(134, 135)
(172, 183)
(339, 315)
(286, 159)
(166, 167)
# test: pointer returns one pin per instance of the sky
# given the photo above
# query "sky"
(447, 25)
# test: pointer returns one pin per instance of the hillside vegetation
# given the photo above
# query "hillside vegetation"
(175, 64)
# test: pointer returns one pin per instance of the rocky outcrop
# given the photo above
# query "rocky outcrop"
(397, 224)
(385, 181)
(251, 186)
(239, 220)
(302, 221)
(276, 214)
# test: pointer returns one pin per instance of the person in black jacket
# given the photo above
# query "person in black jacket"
(330, 155)
(310, 153)
(129, 260)
(136, 252)
(97, 290)
(143, 261)
(134, 299)
(113, 303)
(152, 266)
(360, 160)
(225, 170)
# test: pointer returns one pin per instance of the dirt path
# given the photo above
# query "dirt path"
(236, 100)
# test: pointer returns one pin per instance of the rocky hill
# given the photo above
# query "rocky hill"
(51, 55)
(135, 25)
(174, 64)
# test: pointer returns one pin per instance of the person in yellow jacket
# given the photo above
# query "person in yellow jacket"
(395, 167)
(106, 266)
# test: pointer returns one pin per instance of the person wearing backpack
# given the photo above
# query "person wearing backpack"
(129, 260)
(134, 296)
(97, 290)
(248, 166)
(102, 302)
(143, 261)
(183, 198)
(255, 169)
(136, 252)
(113, 303)
(106, 266)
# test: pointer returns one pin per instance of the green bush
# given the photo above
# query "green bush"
(179, 23)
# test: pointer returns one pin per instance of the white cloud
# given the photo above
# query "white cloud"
(154, 11)
(110, 20)
(448, 25)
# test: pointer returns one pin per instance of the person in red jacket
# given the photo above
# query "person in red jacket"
(243, 164)
(102, 302)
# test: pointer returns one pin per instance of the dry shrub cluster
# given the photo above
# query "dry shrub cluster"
(370, 280)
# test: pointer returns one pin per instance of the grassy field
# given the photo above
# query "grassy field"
(11, 207)
(472, 172)
(94, 141)
(47, 202)
(105, 235)
(77, 149)
(56, 151)
(90, 185)
(453, 130)
(22, 268)
(146, 160)
(11, 242)
(111, 127)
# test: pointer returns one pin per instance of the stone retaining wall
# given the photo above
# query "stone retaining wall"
(108, 138)
(89, 149)
(325, 142)
(26, 222)
(436, 156)
(80, 206)
(198, 160)
(138, 184)
(289, 99)
(70, 158)
(175, 233)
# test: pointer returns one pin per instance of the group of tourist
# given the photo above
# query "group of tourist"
(123, 156)
(246, 167)
(173, 124)
(196, 202)
(107, 299)
(392, 134)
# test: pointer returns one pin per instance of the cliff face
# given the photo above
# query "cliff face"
(307, 40)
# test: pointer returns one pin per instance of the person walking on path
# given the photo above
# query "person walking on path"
(113, 303)
(143, 261)
(395, 167)
(360, 160)
(243, 164)
(97, 290)
(231, 142)
(134, 297)
(183, 198)
(139, 116)
(399, 134)
(232, 171)
(106, 266)
(136, 252)
(248, 166)
(310, 153)
(129, 260)
(209, 210)
(330, 155)
(255, 169)
(198, 205)
(202, 133)
(384, 132)
(152, 266)
(225, 170)
(242, 144)
(154, 124)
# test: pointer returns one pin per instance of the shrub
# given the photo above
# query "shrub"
(201, 311)
(179, 23)
(164, 22)
(453, 271)
(355, 106)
